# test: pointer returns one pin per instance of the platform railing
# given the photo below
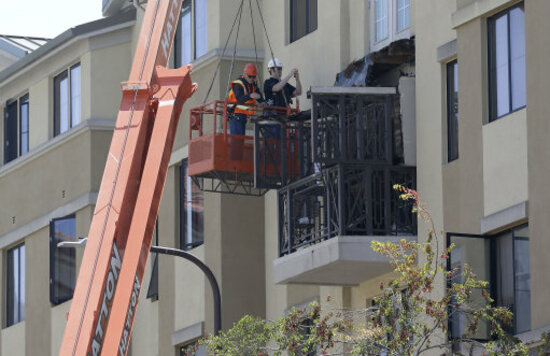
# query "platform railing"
(345, 199)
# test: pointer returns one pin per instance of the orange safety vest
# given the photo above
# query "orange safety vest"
(233, 100)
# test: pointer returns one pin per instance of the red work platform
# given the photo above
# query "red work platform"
(225, 163)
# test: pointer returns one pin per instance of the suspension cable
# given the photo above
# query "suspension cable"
(222, 54)
(254, 37)
(265, 30)
(234, 50)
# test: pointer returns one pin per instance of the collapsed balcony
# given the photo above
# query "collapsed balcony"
(328, 220)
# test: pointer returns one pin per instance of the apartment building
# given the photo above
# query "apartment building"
(481, 144)
(399, 65)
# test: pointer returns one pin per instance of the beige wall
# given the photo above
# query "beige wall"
(538, 129)
(13, 340)
(463, 178)
(505, 162)
(432, 25)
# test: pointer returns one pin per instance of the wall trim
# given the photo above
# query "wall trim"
(504, 217)
(478, 9)
(43, 221)
(447, 51)
(71, 134)
(188, 333)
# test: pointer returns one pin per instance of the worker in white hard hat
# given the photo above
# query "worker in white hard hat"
(277, 90)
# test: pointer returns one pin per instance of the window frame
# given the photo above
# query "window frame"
(189, 8)
(310, 26)
(11, 303)
(492, 238)
(452, 117)
(153, 289)
(491, 55)
(72, 120)
(55, 253)
(15, 124)
(393, 32)
(183, 180)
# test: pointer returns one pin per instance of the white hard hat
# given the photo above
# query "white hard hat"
(274, 62)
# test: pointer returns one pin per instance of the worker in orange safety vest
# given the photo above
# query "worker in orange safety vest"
(243, 91)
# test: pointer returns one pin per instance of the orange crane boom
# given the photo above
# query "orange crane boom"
(110, 278)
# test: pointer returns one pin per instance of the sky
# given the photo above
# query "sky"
(45, 18)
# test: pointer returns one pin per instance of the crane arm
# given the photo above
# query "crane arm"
(109, 282)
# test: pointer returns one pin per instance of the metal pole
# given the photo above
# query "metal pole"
(209, 275)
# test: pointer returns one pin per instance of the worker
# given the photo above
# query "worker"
(243, 92)
(279, 92)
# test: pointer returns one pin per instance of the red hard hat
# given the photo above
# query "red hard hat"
(250, 69)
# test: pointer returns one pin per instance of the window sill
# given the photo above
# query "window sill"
(511, 113)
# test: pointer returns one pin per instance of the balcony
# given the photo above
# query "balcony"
(328, 220)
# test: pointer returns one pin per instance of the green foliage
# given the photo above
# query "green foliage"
(409, 317)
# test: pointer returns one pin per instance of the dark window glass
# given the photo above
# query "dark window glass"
(503, 261)
(15, 296)
(153, 290)
(62, 259)
(507, 62)
(24, 125)
(191, 211)
(303, 18)
(452, 111)
(10, 131)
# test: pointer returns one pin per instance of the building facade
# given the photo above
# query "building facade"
(457, 84)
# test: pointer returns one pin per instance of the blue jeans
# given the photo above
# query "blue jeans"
(237, 126)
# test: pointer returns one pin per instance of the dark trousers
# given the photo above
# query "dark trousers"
(237, 126)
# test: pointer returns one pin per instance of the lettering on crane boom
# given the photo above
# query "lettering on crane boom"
(169, 29)
(129, 317)
(106, 303)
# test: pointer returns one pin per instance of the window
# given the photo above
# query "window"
(452, 111)
(191, 211)
(507, 88)
(62, 259)
(403, 16)
(67, 100)
(303, 18)
(15, 296)
(16, 128)
(153, 290)
(192, 349)
(503, 261)
(191, 41)
(381, 19)
(390, 21)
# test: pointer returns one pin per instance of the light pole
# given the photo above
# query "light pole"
(81, 242)
(209, 275)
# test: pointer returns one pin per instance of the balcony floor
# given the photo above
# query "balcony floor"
(342, 261)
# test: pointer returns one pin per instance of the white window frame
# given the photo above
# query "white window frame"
(393, 33)
(74, 99)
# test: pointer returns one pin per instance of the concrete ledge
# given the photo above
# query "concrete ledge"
(446, 51)
(477, 9)
(187, 334)
(43, 221)
(342, 261)
(504, 217)
(354, 90)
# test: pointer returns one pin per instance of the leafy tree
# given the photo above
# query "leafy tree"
(409, 317)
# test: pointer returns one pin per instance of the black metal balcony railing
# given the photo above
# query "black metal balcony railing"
(352, 129)
(282, 152)
(345, 199)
